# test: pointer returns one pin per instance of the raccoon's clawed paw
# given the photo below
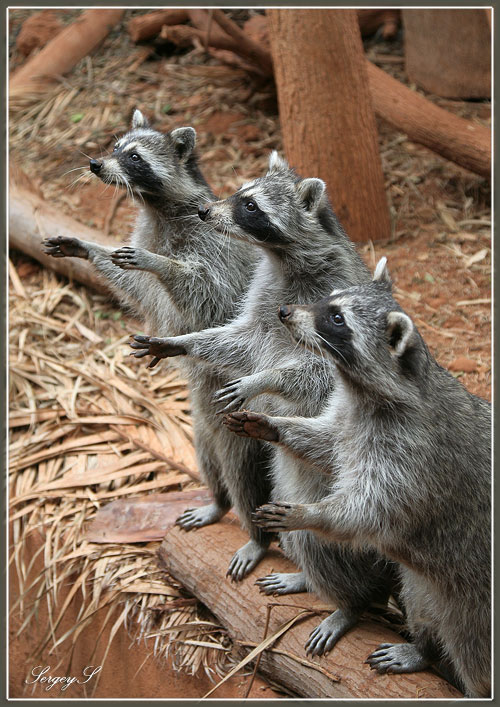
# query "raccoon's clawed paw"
(125, 258)
(397, 658)
(282, 583)
(251, 424)
(230, 395)
(156, 347)
(193, 518)
(245, 559)
(276, 517)
(325, 636)
(64, 246)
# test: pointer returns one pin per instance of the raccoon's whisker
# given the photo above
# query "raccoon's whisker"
(74, 170)
(85, 154)
(333, 348)
(85, 176)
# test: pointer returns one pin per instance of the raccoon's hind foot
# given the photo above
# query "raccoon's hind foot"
(282, 583)
(397, 658)
(245, 559)
(198, 517)
(251, 424)
(325, 636)
(278, 517)
(151, 346)
(65, 246)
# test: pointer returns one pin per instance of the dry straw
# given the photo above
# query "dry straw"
(88, 426)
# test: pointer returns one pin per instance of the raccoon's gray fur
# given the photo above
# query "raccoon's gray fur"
(410, 457)
(305, 254)
(178, 275)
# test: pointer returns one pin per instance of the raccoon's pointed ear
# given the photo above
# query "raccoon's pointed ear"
(381, 273)
(138, 120)
(276, 163)
(184, 140)
(310, 192)
(399, 332)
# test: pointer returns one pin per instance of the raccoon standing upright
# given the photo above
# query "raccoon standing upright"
(179, 276)
(411, 474)
(305, 254)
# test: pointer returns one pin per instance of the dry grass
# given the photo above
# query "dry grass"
(81, 416)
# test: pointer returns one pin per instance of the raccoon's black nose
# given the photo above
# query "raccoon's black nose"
(203, 212)
(95, 166)
(285, 312)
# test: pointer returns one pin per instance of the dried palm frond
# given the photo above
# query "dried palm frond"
(88, 426)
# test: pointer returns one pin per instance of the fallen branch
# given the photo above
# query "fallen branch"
(31, 220)
(247, 47)
(461, 141)
(62, 53)
(200, 566)
(146, 26)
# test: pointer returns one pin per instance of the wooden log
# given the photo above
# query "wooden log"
(461, 141)
(448, 51)
(66, 49)
(149, 25)
(199, 562)
(217, 30)
(31, 220)
(37, 30)
(328, 125)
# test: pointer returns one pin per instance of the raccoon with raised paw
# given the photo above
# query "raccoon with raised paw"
(177, 275)
(305, 253)
(409, 452)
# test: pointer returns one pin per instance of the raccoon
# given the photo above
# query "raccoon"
(305, 253)
(177, 275)
(410, 463)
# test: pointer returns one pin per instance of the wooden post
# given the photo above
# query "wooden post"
(448, 51)
(326, 114)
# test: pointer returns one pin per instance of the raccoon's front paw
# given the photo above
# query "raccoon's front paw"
(236, 393)
(152, 346)
(251, 424)
(278, 517)
(65, 246)
(125, 257)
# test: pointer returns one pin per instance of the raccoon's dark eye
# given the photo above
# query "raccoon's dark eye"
(251, 206)
(115, 147)
(135, 157)
(337, 319)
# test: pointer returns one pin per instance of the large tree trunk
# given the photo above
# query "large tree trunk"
(327, 119)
